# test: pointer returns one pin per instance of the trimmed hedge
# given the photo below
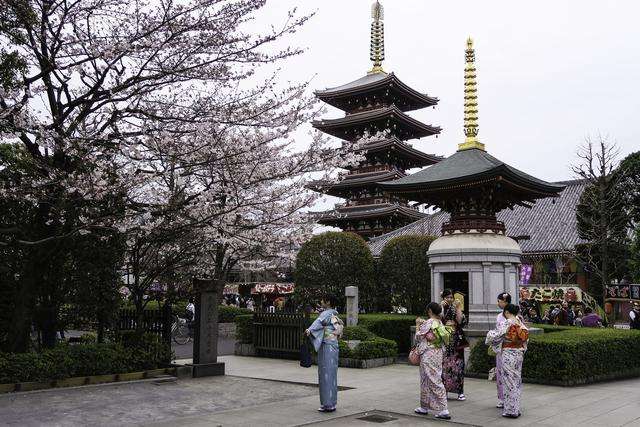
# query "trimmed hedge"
(570, 357)
(244, 328)
(228, 314)
(395, 327)
(357, 333)
(374, 349)
(66, 361)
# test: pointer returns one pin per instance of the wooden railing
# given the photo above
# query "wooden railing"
(279, 332)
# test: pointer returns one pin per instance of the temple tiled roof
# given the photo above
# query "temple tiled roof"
(550, 224)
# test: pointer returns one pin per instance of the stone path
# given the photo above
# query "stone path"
(259, 392)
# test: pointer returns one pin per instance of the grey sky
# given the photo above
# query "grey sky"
(549, 72)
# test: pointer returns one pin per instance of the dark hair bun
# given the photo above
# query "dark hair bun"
(504, 296)
(511, 308)
(435, 308)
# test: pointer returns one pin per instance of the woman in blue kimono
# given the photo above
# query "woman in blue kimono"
(324, 333)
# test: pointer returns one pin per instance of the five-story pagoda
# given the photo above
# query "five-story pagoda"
(375, 104)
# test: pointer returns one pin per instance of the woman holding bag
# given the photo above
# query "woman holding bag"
(431, 336)
(324, 333)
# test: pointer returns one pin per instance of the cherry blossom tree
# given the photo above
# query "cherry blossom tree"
(165, 121)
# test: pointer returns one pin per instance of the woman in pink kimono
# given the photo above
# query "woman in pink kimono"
(503, 299)
(512, 338)
(430, 337)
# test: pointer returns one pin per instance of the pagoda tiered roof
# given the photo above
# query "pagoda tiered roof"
(342, 214)
(391, 118)
(353, 182)
(376, 89)
(412, 157)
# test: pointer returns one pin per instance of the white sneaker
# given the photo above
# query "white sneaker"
(462, 397)
(420, 410)
(444, 415)
(500, 405)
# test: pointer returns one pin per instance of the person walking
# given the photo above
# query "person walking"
(504, 298)
(431, 336)
(634, 316)
(512, 337)
(453, 362)
(591, 319)
(325, 332)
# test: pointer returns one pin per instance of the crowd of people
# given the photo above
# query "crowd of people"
(562, 315)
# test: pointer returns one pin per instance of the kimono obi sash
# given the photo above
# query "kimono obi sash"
(516, 337)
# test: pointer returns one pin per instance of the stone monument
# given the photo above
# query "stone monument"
(205, 344)
(351, 293)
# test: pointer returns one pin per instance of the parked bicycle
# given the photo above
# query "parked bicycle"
(180, 331)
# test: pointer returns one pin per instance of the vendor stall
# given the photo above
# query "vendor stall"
(619, 301)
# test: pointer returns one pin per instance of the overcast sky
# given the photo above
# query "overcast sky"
(549, 72)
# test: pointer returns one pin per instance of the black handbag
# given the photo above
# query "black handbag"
(305, 354)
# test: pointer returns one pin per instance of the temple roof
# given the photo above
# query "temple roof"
(335, 188)
(386, 87)
(548, 227)
(367, 211)
(469, 168)
(353, 126)
(415, 158)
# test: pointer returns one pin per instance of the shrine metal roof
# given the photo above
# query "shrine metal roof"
(550, 225)
(467, 166)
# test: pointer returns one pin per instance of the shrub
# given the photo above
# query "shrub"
(357, 333)
(480, 362)
(227, 314)
(576, 356)
(345, 351)
(396, 327)
(329, 262)
(244, 328)
(65, 361)
(375, 348)
(404, 271)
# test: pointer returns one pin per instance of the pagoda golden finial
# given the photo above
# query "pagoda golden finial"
(377, 38)
(470, 101)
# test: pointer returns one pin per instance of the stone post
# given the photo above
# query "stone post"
(205, 344)
(351, 293)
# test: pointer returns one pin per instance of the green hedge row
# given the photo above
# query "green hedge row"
(396, 327)
(373, 348)
(244, 328)
(570, 357)
(228, 314)
(66, 361)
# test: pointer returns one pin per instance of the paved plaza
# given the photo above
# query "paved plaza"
(269, 392)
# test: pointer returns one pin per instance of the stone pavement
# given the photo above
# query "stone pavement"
(261, 392)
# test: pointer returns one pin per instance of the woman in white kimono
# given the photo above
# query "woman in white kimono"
(511, 338)
(324, 333)
(430, 336)
(503, 299)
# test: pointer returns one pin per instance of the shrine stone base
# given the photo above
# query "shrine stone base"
(485, 263)
(208, 369)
